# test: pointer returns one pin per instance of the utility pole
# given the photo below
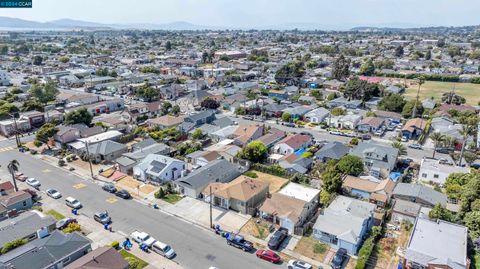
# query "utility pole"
(17, 139)
(414, 110)
(88, 157)
(211, 218)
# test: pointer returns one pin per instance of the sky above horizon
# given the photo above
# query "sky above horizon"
(259, 13)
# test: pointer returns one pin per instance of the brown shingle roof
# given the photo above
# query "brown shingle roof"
(242, 188)
(14, 198)
(283, 206)
(100, 258)
(295, 141)
(411, 124)
(167, 120)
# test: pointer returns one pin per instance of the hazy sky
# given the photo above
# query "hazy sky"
(250, 13)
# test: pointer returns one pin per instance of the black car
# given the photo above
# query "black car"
(339, 259)
(277, 238)
(63, 223)
(123, 194)
(239, 242)
(109, 187)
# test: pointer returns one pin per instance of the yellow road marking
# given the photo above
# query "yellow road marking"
(46, 171)
(111, 200)
(6, 149)
(79, 186)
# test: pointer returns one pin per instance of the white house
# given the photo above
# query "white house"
(349, 121)
(317, 115)
(159, 169)
(292, 143)
(433, 171)
(307, 194)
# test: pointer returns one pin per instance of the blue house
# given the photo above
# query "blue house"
(345, 223)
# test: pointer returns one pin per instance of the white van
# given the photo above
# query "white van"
(73, 203)
(163, 249)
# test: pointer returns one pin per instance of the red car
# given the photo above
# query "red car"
(268, 255)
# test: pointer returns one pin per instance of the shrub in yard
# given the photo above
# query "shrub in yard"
(12, 245)
(367, 248)
(37, 143)
(159, 194)
(132, 262)
(33, 152)
(319, 248)
(115, 245)
(61, 162)
(72, 227)
(251, 174)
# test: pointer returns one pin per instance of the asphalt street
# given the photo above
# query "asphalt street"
(196, 247)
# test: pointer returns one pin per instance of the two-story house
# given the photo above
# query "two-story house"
(377, 158)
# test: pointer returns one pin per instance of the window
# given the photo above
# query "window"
(424, 175)
(435, 175)
(66, 260)
(24, 203)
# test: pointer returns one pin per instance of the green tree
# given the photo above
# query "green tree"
(367, 68)
(47, 131)
(37, 60)
(64, 59)
(78, 116)
(402, 150)
(472, 221)
(338, 111)
(408, 109)
(175, 110)
(255, 152)
(440, 212)
(399, 51)
(290, 73)
(166, 106)
(437, 139)
(351, 165)
(147, 93)
(392, 102)
(360, 89)
(286, 117)
(44, 93)
(4, 50)
(428, 55)
(465, 132)
(168, 45)
(197, 134)
(341, 68)
(210, 103)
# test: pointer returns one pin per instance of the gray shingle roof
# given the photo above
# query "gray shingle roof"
(332, 150)
(22, 226)
(420, 191)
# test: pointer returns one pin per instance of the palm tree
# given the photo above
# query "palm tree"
(402, 150)
(466, 131)
(437, 138)
(13, 168)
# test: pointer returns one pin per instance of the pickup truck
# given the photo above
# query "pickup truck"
(142, 237)
(239, 242)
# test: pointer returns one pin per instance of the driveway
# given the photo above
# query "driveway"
(198, 212)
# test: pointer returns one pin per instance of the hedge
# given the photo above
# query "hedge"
(12, 245)
(429, 77)
(367, 247)
(275, 170)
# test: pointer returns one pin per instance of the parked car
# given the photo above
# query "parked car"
(339, 258)
(102, 217)
(73, 203)
(123, 194)
(444, 150)
(294, 264)
(33, 182)
(415, 146)
(277, 238)
(63, 223)
(289, 124)
(404, 139)
(365, 136)
(163, 249)
(109, 187)
(54, 193)
(268, 255)
(142, 237)
(239, 242)
(20, 176)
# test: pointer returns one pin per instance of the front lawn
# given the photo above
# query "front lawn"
(312, 248)
(55, 214)
(259, 230)
(133, 261)
(172, 198)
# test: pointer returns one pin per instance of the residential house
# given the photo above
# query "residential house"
(405, 211)
(9, 127)
(317, 115)
(243, 194)
(378, 193)
(332, 151)
(349, 121)
(67, 134)
(274, 109)
(246, 133)
(433, 171)
(394, 89)
(307, 100)
(419, 194)
(165, 122)
(18, 201)
(293, 143)
(444, 109)
(222, 171)
(200, 118)
(344, 223)
(273, 136)
(159, 169)
(388, 115)
(437, 244)
(286, 211)
(6, 188)
(140, 150)
(79, 144)
(27, 225)
(106, 150)
(429, 104)
(344, 102)
(295, 163)
(413, 128)
(35, 118)
(378, 159)
(142, 111)
(100, 258)
(447, 127)
(201, 158)
(310, 195)
(278, 94)
(51, 252)
(298, 112)
(370, 124)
